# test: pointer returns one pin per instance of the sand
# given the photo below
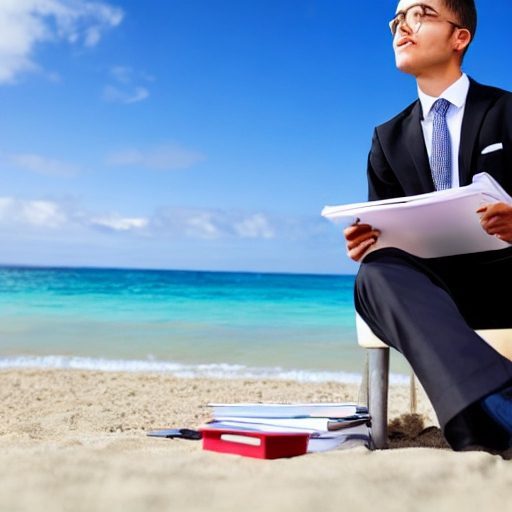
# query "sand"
(74, 440)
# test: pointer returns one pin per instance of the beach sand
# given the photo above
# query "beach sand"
(74, 440)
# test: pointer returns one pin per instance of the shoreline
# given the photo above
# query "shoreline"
(228, 371)
(76, 440)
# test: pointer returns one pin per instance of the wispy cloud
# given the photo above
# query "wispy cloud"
(42, 164)
(22, 214)
(115, 222)
(127, 87)
(127, 75)
(117, 95)
(38, 213)
(164, 158)
(26, 23)
(213, 224)
(171, 223)
(254, 226)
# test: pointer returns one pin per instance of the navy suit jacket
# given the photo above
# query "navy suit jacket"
(398, 163)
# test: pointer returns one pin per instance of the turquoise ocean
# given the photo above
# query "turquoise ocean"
(186, 323)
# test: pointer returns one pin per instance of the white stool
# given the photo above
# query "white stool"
(378, 372)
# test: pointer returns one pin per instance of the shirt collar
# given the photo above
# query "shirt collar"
(456, 94)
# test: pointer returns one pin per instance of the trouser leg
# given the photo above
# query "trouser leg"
(406, 304)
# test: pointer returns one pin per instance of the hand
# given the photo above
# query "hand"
(359, 237)
(496, 219)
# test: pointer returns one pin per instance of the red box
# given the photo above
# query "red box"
(260, 445)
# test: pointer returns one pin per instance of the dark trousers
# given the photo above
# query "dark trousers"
(428, 309)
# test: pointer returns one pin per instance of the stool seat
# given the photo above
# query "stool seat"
(499, 339)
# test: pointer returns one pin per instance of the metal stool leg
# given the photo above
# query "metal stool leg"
(378, 368)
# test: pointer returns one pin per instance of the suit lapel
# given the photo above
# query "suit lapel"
(415, 143)
(477, 104)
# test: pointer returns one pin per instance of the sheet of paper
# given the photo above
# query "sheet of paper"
(429, 225)
(308, 424)
(261, 410)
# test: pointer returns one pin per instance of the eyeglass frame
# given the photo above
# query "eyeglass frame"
(403, 15)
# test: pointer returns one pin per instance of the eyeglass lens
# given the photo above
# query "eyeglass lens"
(413, 18)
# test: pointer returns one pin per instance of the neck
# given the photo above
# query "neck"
(434, 83)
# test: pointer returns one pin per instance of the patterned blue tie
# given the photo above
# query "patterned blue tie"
(441, 157)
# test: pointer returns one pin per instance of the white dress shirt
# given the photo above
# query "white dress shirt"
(456, 94)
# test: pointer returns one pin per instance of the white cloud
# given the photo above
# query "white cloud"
(26, 23)
(127, 88)
(202, 225)
(213, 224)
(42, 213)
(117, 223)
(254, 226)
(166, 158)
(68, 217)
(116, 95)
(22, 214)
(42, 164)
(122, 74)
(31, 213)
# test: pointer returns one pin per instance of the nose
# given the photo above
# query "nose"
(403, 28)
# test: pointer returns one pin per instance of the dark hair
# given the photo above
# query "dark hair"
(465, 11)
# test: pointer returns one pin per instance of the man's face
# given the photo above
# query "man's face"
(430, 48)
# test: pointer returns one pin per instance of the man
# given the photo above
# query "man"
(428, 309)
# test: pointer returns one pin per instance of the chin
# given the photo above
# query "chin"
(405, 66)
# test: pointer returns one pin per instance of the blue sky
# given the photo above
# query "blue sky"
(198, 134)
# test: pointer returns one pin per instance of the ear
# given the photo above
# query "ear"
(462, 38)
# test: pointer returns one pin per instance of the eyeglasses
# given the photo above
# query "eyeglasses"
(414, 16)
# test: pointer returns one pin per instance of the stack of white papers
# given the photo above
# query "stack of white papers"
(330, 426)
(435, 224)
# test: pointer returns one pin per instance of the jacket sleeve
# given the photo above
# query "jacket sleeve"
(382, 181)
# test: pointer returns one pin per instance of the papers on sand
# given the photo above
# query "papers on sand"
(338, 425)
(431, 225)
(297, 410)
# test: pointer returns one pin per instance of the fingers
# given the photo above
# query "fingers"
(490, 222)
(359, 238)
(496, 220)
(356, 231)
(487, 211)
(498, 228)
(357, 252)
(363, 238)
(494, 213)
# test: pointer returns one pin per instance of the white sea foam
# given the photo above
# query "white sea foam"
(220, 371)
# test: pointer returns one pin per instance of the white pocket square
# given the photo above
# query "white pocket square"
(492, 147)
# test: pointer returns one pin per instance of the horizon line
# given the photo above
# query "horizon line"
(145, 269)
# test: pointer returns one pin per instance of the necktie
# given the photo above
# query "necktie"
(441, 157)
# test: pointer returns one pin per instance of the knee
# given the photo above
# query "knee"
(380, 270)
(378, 263)
(390, 255)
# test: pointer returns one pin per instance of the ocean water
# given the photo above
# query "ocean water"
(188, 323)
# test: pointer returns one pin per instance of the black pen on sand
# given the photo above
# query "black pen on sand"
(176, 433)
